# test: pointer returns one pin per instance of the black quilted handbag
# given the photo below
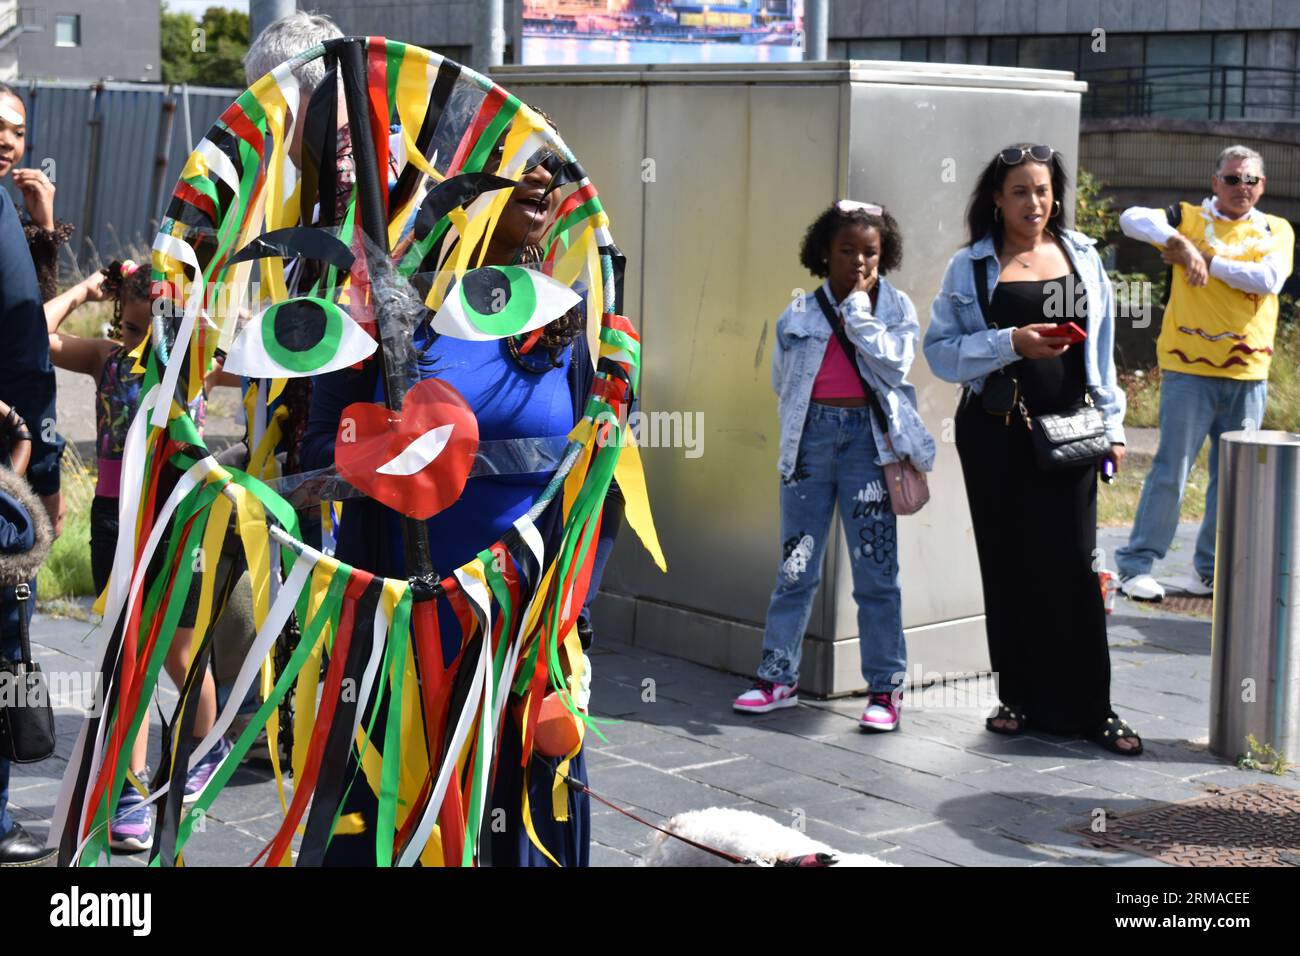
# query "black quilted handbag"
(1068, 439)
(26, 718)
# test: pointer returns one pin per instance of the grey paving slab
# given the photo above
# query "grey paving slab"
(1016, 778)
(663, 793)
(1109, 775)
(615, 830)
(602, 855)
(903, 856)
(788, 792)
(917, 753)
(870, 816)
(964, 845)
(670, 752)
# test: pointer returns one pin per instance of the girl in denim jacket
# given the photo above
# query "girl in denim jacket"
(833, 448)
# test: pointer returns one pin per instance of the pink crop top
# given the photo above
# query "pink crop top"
(836, 378)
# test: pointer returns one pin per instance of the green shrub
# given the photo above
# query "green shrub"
(66, 571)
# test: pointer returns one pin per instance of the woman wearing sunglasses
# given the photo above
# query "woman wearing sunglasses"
(1025, 322)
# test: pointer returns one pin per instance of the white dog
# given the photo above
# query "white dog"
(743, 834)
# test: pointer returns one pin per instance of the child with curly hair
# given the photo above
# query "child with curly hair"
(111, 362)
(839, 368)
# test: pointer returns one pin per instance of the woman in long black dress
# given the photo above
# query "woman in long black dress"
(1035, 529)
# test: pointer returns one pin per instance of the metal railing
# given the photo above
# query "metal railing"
(1192, 91)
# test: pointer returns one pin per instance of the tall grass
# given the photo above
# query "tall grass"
(66, 571)
(1283, 412)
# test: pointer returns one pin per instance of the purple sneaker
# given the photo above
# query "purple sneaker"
(202, 771)
(131, 829)
(881, 713)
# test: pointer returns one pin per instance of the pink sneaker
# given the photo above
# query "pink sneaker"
(765, 696)
(881, 714)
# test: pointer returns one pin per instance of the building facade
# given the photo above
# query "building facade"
(1230, 59)
(80, 40)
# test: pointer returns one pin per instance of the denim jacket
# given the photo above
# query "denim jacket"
(886, 345)
(961, 347)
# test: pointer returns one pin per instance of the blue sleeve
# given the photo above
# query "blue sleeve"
(330, 394)
(26, 375)
(958, 352)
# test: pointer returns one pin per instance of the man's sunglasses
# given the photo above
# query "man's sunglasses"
(1232, 180)
(1017, 154)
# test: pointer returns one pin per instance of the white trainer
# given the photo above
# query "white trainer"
(1142, 587)
(1197, 586)
(766, 696)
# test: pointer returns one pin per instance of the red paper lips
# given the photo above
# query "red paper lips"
(416, 461)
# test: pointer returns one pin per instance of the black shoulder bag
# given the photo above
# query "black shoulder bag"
(26, 718)
(1061, 440)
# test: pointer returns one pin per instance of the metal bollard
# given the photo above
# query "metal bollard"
(1255, 644)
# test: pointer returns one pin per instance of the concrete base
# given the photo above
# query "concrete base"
(830, 668)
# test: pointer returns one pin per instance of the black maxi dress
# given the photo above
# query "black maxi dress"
(1036, 535)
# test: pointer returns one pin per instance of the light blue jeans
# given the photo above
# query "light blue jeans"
(837, 465)
(1192, 407)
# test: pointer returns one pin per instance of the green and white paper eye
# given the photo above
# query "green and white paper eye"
(296, 338)
(496, 301)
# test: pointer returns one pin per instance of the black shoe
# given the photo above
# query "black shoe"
(20, 848)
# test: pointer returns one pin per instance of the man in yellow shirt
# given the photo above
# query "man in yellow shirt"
(1229, 263)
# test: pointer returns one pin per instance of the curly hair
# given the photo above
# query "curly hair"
(136, 286)
(813, 251)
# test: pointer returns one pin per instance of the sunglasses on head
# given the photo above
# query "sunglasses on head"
(1016, 154)
(1233, 180)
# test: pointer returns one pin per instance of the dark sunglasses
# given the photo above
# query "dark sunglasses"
(1016, 154)
(545, 157)
(1238, 180)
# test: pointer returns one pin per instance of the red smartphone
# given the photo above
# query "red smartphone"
(1066, 330)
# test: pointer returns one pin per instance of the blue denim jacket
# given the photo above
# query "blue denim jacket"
(961, 347)
(886, 345)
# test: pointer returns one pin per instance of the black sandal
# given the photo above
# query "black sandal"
(1109, 734)
(1006, 713)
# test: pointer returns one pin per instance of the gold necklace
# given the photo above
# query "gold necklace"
(1027, 265)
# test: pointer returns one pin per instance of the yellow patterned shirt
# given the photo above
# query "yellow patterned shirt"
(1218, 330)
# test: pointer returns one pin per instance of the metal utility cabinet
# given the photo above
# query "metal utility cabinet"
(710, 175)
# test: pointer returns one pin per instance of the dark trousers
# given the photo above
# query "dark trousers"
(1036, 534)
(10, 650)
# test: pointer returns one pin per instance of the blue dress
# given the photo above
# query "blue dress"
(508, 402)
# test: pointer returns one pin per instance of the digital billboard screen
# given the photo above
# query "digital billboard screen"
(662, 31)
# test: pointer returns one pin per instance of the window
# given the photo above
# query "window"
(1114, 75)
(1050, 53)
(916, 51)
(876, 50)
(1178, 74)
(67, 29)
(1229, 96)
(1002, 51)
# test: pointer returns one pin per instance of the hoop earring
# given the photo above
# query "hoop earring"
(997, 213)
(1056, 209)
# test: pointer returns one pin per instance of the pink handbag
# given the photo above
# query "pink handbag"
(908, 488)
